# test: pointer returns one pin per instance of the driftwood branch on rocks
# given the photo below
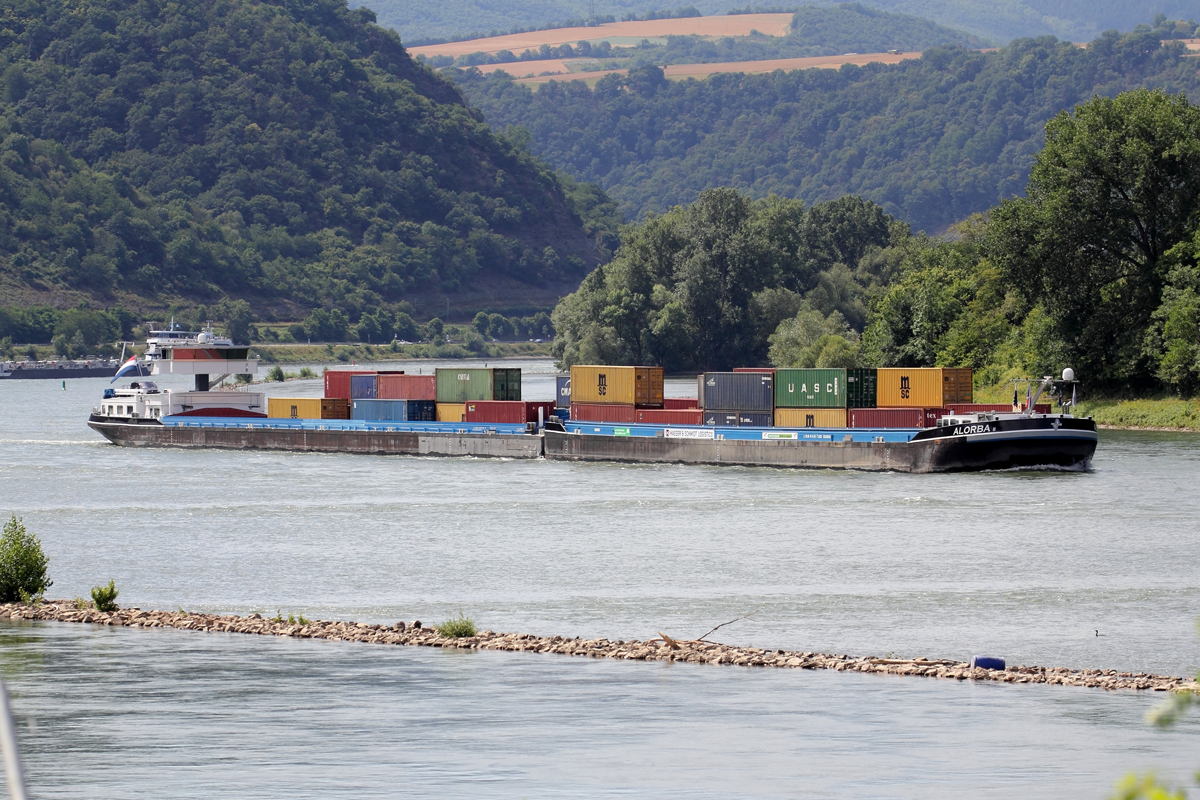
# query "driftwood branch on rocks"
(693, 652)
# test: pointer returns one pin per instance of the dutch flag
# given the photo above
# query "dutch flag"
(129, 366)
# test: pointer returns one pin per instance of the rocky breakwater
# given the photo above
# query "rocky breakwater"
(663, 648)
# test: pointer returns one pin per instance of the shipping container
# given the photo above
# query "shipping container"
(562, 391)
(602, 412)
(364, 387)
(407, 387)
(451, 412)
(860, 388)
(640, 386)
(922, 387)
(739, 419)
(810, 418)
(393, 410)
(294, 407)
(531, 410)
(506, 383)
(496, 411)
(337, 381)
(894, 417)
(674, 416)
(462, 385)
(768, 370)
(679, 403)
(744, 391)
(335, 408)
(810, 388)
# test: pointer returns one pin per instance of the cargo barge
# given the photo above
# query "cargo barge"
(58, 370)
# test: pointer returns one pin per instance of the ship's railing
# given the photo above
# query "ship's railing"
(379, 426)
(744, 434)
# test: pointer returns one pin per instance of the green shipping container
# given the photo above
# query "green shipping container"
(506, 384)
(810, 388)
(463, 385)
(860, 388)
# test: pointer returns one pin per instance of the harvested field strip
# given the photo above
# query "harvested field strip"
(680, 71)
(726, 25)
(660, 649)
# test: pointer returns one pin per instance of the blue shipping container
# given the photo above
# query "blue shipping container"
(364, 387)
(562, 394)
(744, 391)
(393, 410)
(739, 419)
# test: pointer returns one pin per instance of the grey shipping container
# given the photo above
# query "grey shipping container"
(740, 419)
(393, 410)
(506, 384)
(363, 386)
(860, 388)
(744, 391)
(562, 391)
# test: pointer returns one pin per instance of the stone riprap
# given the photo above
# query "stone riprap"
(663, 648)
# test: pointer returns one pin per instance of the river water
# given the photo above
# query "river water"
(1025, 566)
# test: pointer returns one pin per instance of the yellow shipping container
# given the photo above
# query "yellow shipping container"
(641, 386)
(294, 407)
(922, 387)
(451, 412)
(810, 418)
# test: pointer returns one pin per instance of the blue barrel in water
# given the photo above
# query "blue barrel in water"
(985, 662)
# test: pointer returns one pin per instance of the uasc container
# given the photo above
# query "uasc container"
(462, 385)
(603, 412)
(451, 412)
(640, 386)
(506, 383)
(407, 387)
(739, 419)
(294, 407)
(364, 387)
(810, 388)
(335, 408)
(743, 391)
(665, 416)
(861, 388)
(810, 418)
(922, 387)
(562, 391)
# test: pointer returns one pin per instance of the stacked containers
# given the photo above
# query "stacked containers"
(335, 408)
(613, 394)
(506, 384)
(458, 386)
(509, 411)
(364, 387)
(680, 403)
(562, 391)
(807, 398)
(738, 398)
(922, 387)
(861, 388)
(810, 418)
(337, 382)
(894, 417)
(294, 407)
(669, 416)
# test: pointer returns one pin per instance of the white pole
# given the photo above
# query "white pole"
(12, 755)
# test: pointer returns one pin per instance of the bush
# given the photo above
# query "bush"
(306, 372)
(276, 373)
(22, 563)
(105, 597)
(457, 627)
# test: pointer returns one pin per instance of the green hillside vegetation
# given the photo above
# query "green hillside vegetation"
(851, 27)
(931, 140)
(1098, 268)
(287, 152)
(995, 20)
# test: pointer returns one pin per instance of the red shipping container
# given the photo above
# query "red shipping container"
(662, 416)
(532, 406)
(677, 403)
(602, 412)
(337, 381)
(893, 417)
(768, 370)
(511, 411)
(407, 387)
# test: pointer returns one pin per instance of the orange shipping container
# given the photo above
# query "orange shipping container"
(922, 387)
(810, 418)
(451, 412)
(642, 386)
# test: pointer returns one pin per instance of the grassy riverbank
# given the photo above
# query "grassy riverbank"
(1164, 414)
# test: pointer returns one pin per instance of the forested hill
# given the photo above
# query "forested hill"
(931, 140)
(281, 151)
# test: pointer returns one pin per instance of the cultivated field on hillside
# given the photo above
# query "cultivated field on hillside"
(617, 33)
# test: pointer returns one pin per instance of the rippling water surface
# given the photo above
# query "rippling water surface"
(1026, 566)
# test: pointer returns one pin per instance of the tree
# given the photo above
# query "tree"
(1116, 187)
(22, 563)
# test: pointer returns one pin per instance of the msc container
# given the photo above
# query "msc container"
(894, 417)
(810, 388)
(602, 412)
(451, 412)
(739, 419)
(407, 387)
(631, 386)
(506, 384)
(861, 388)
(335, 408)
(364, 387)
(562, 391)
(679, 403)
(810, 418)
(294, 407)
(462, 385)
(927, 387)
(337, 381)
(744, 391)
(673, 416)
